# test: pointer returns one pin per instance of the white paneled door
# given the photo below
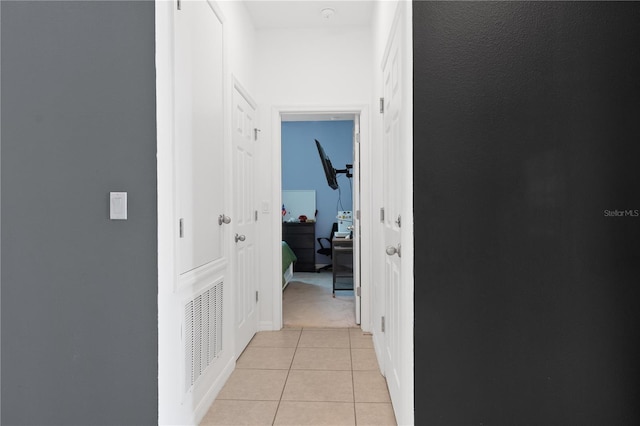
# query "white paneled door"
(392, 196)
(396, 323)
(246, 281)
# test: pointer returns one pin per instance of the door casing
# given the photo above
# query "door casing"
(365, 189)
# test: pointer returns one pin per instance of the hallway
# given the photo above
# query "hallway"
(305, 376)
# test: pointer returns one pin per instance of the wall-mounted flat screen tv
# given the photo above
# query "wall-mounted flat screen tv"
(329, 171)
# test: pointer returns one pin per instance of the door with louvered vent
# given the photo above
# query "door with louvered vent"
(203, 204)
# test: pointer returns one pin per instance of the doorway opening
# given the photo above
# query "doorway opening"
(325, 288)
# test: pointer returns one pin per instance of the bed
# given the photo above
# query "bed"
(288, 258)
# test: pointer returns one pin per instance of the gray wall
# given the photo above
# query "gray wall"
(527, 293)
(79, 292)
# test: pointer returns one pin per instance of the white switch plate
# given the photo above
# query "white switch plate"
(118, 206)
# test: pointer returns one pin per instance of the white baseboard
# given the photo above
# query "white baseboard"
(265, 326)
(210, 396)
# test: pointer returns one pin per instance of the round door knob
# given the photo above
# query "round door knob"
(240, 238)
(391, 250)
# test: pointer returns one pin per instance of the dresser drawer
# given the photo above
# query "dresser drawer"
(298, 228)
(301, 237)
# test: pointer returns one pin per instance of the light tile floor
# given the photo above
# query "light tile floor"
(305, 376)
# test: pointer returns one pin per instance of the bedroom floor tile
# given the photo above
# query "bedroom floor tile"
(307, 376)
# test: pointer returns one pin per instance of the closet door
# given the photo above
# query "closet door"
(243, 138)
(204, 288)
(199, 135)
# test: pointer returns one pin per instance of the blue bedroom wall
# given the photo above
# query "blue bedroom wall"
(301, 167)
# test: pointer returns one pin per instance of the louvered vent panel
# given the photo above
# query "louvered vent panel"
(218, 319)
(202, 332)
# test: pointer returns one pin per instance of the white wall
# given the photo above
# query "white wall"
(240, 43)
(319, 66)
(296, 68)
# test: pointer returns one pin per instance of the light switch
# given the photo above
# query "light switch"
(118, 206)
(265, 207)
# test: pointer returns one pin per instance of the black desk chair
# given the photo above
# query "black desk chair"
(327, 251)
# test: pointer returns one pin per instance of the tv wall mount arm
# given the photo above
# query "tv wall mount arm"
(346, 171)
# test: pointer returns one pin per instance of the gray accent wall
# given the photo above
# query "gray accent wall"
(526, 143)
(79, 291)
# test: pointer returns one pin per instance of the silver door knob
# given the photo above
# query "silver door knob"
(240, 238)
(224, 219)
(391, 250)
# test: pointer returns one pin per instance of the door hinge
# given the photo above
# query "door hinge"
(255, 215)
(358, 291)
(382, 214)
(256, 297)
(181, 228)
(255, 133)
(179, 4)
(382, 324)
(381, 105)
(357, 214)
(357, 137)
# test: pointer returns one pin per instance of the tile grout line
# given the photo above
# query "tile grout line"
(353, 382)
(287, 378)
(279, 401)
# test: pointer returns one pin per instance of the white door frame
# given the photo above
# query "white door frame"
(365, 203)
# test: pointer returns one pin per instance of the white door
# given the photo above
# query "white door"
(356, 215)
(397, 183)
(200, 349)
(199, 135)
(245, 214)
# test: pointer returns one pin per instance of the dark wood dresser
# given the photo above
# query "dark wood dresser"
(301, 237)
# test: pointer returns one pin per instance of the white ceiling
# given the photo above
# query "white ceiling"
(269, 14)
